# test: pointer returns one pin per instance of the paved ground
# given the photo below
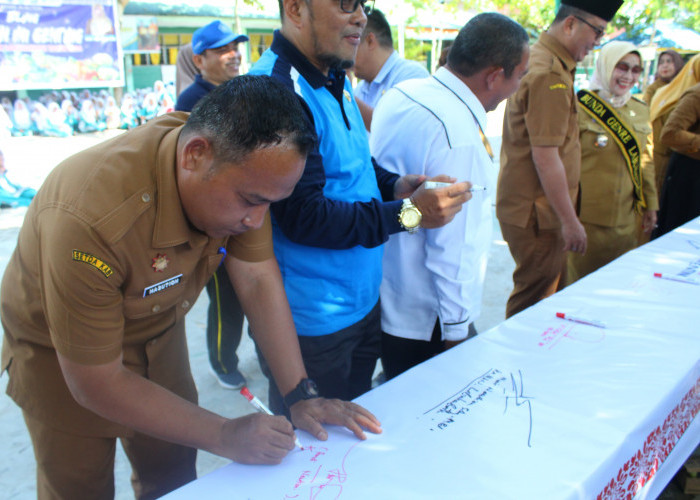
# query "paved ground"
(29, 160)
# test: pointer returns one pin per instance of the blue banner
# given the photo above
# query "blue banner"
(55, 44)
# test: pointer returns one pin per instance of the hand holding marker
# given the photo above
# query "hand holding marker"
(263, 409)
(437, 185)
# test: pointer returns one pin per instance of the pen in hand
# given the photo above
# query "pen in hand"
(260, 406)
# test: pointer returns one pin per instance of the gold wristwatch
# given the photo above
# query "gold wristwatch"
(409, 216)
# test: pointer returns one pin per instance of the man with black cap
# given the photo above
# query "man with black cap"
(541, 155)
(216, 56)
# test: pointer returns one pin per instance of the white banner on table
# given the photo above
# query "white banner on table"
(538, 407)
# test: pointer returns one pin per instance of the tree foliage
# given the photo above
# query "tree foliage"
(536, 15)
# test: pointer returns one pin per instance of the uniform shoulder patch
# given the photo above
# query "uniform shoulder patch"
(95, 262)
(556, 86)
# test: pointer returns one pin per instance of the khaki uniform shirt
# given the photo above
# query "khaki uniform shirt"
(107, 264)
(682, 129)
(541, 113)
(651, 90)
(607, 191)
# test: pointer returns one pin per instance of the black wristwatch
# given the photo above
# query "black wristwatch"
(306, 389)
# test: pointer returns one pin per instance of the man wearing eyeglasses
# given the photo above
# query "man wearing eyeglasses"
(328, 234)
(541, 156)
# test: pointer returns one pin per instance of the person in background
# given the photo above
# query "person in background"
(216, 56)
(541, 156)
(72, 115)
(618, 187)
(218, 60)
(669, 64)
(329, 233)
(40, 118)
(433, 280)
(88, 120)
(22, 120)
(57, 121)
(112, 113)
(185, 69)
(681, 196)
(660, 108)
(11, 194)
(129, 113)
(5, 124)
(379, 66)
(113, 252)
(148, 109)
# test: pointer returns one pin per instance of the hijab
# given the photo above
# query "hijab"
(609, 56)
(667, 97)
(678, 63)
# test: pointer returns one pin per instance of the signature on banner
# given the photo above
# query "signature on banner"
(494, 385)
(320, 480)
(553, 335)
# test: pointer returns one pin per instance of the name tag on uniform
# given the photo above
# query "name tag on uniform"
(163, 285)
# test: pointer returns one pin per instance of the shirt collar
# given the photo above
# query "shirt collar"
(555, 46)
(463, 92)
(171, 225)
(284, 48)
(199, 79)
(386, 67)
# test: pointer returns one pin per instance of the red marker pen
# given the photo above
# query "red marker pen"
(676, 278)
(583, 321)
(260, 406)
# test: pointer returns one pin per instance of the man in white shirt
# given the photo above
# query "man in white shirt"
(379, 66)
(433, 280)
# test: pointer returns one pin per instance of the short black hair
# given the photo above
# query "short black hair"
(377, 24)
(488, 39)
(567, 10)
(247, 113)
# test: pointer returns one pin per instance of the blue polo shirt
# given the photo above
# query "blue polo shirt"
(328, 234)
(192, 94)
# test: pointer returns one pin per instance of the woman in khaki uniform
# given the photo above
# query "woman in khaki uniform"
(660, 108)
(670, 63)
(680, 201)
(617, 175)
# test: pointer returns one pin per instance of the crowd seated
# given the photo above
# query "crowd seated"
(65, 113)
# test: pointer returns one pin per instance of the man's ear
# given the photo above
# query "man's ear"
(293, 11)
(195, 153)
(569, 25)
(371, 40)
(492, 76)
(197, 60)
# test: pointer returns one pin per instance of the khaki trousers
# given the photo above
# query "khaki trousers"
(540, 264)
(605, 244)
(71, 467)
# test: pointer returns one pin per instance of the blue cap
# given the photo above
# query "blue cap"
(214, 35)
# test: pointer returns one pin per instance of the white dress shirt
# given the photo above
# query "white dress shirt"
(426, 127)
(395, 70)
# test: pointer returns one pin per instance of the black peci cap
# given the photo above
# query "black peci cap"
(605, 9)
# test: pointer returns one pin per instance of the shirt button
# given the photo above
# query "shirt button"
(155, 308)
(186, 304)
(145, 197)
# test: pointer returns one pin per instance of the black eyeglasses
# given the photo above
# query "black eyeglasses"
(350, 6)
(599, 32)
